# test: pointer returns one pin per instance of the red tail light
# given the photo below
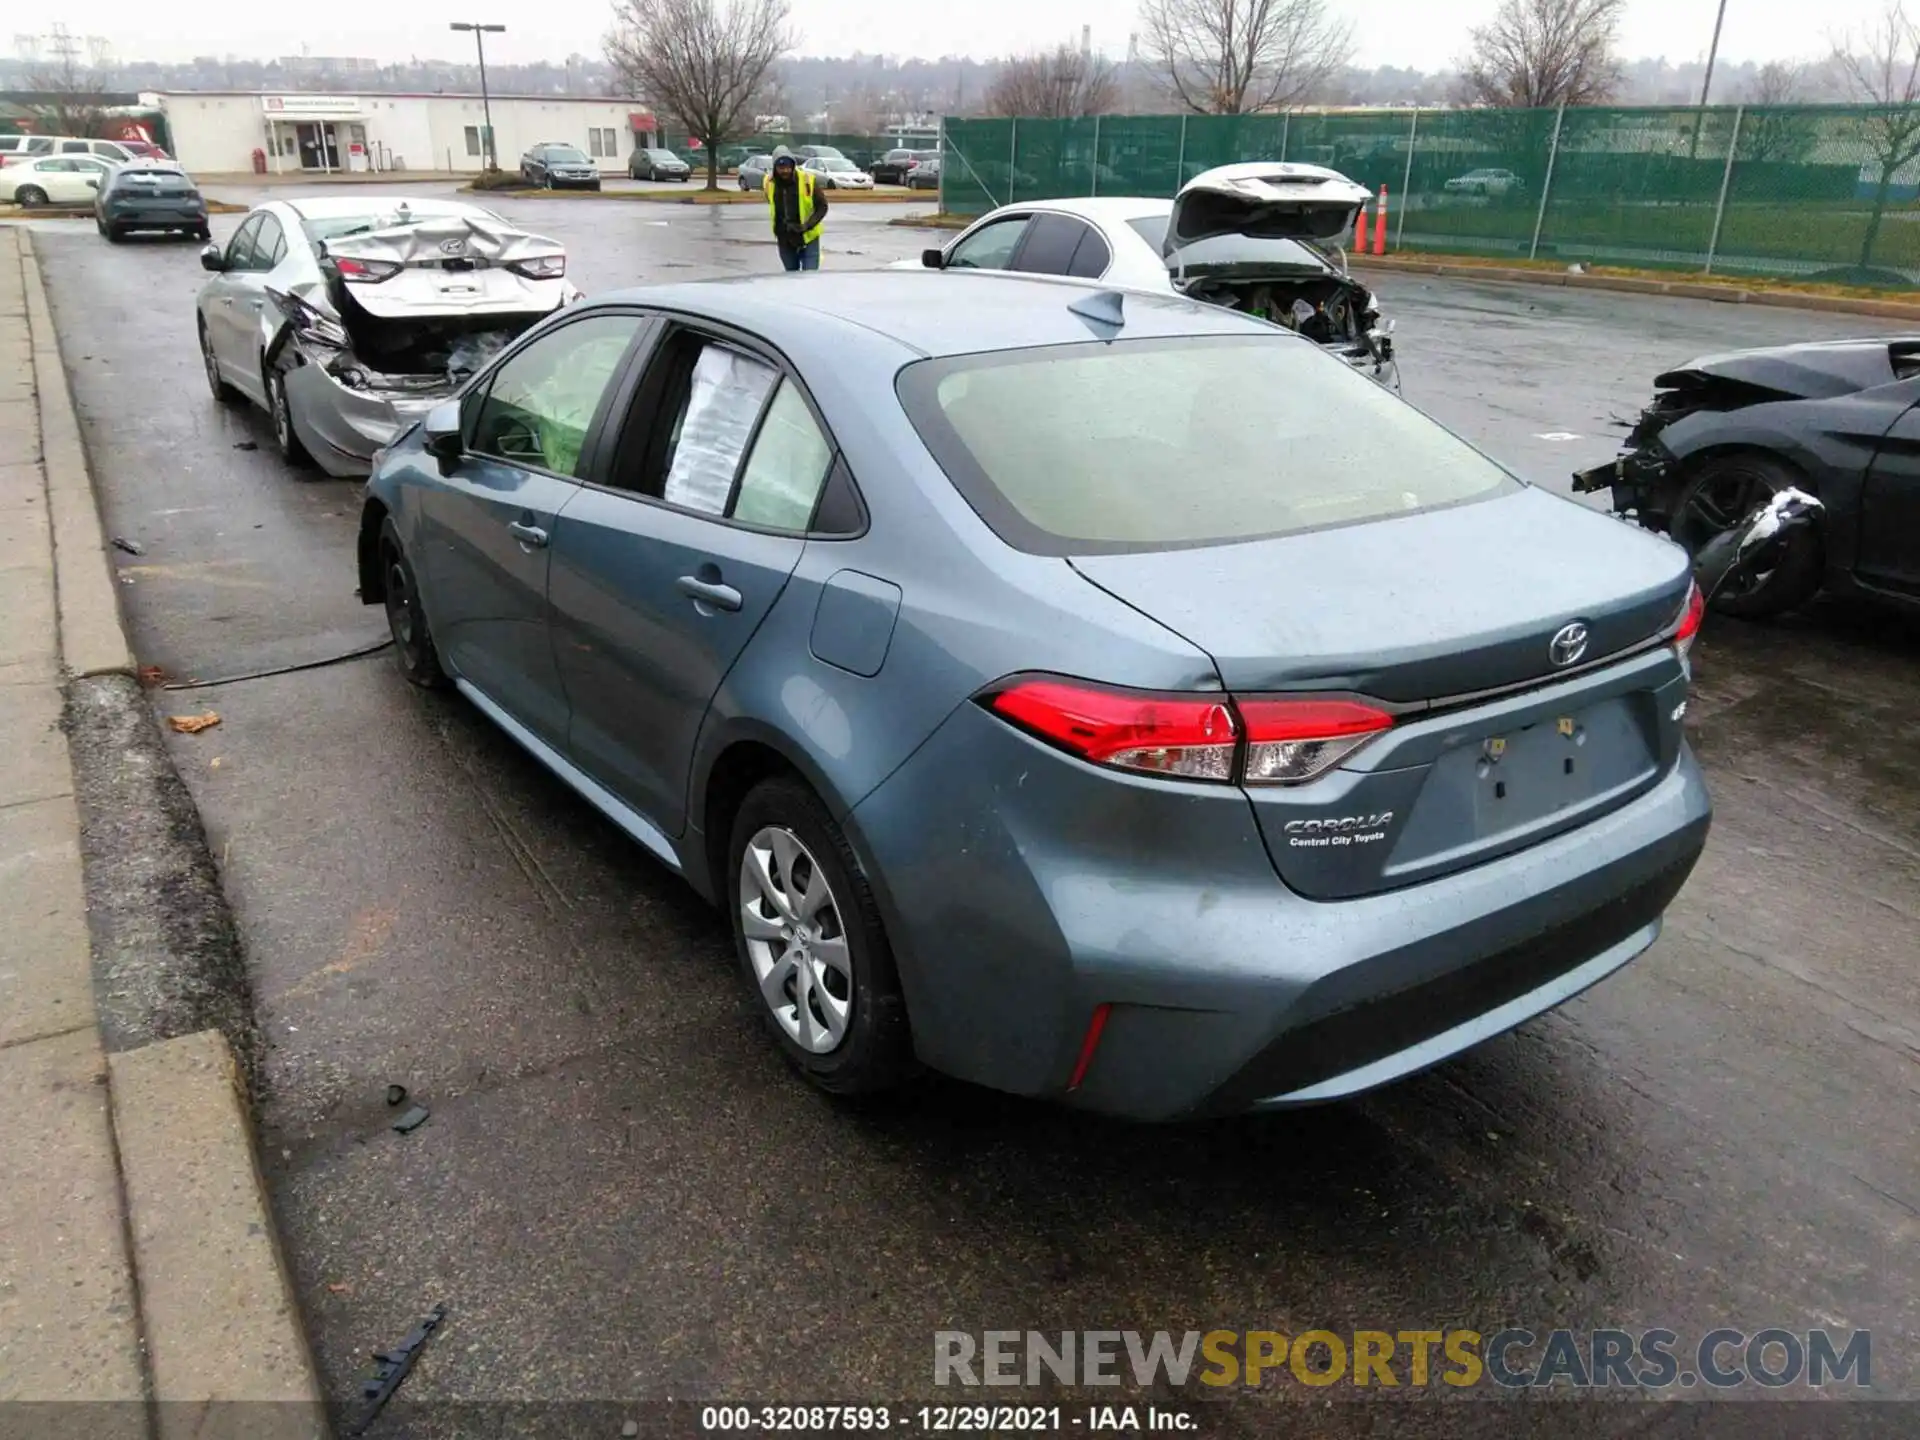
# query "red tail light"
(1193, 737)
(1289, 741)
(365, 272)
(1691, 614)
(540, 267)
(1190, 737)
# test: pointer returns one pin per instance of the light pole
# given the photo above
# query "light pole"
(1713, 50)
(490, 157)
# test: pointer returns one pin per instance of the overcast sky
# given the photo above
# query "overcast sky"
(1423, 34)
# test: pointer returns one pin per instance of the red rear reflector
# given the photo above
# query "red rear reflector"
(1187, 737)
(1691, 614)
(1290, 741)
(370, 271)
(1087, 1046)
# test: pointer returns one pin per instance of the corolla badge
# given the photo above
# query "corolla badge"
(1569, 643)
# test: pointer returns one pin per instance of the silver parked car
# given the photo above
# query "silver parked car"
(1091, 694)
(346, 319)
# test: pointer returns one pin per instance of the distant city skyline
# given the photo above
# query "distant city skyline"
(1413, 34)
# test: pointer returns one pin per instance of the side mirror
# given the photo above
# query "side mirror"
(93, 184)
(934, 259)
(440, 432)
(212, 257)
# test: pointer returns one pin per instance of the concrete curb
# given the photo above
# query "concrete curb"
(220, 1322)
(92, 639)
(218, 1316)
(1630, 285)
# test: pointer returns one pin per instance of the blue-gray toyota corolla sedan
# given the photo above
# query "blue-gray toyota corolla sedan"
(1094, 695)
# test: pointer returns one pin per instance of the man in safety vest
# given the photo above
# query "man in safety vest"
(798, 212)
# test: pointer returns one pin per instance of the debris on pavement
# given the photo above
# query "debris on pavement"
(120, 543)
(393, 1366)
(246, 444)
(396, 1094)
(412, 1120)
(152, 675)
(340, 1287)
(193, 724)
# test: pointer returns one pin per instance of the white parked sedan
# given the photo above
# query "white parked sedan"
(1251, 237)
(836, 172)
(54, 180)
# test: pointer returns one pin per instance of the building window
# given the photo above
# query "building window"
(473, 139)
(603, 144)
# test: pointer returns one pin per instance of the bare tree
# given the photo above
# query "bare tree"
(1238, 57)
(702, 61)
(69, 98)
(1062, 85)
(1537, 54)
(1882, 66)
(1778, 127)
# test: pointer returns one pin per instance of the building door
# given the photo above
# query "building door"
(319, 147)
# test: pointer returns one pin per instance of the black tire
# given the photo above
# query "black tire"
(115, 235)
(413, 648)
(280, 410)
(223, 393)
(28, 196)
(203, 234)
(875, 1052)
(1722, 492)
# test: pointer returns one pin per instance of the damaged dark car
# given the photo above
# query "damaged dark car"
(348, 319)
(1838, 421)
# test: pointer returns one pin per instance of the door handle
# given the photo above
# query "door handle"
(710, 592)
(532, 536)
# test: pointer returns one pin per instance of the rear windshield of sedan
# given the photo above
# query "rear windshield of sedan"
(1159, 444)
(128, 178)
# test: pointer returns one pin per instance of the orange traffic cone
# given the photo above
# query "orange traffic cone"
(1360, 230)
(1380, 224)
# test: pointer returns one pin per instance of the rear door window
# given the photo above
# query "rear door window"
(269, 244)
(1050, 245)
(240, 248)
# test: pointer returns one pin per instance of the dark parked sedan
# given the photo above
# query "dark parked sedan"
(925, 175)
(1089, 694)
(892, 167)
(559, 167)
(149, 197)
(657, 165)
(1725, 434)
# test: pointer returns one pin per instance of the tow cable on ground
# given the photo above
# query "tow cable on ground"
(359, 654)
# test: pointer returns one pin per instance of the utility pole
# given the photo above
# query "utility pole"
(490, 158)
(1713, 51)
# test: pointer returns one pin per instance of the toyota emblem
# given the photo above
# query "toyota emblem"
(1569, 643)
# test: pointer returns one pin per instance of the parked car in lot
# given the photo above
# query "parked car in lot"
(1249, 237)
(559, 167)
(348, 318)
(892, 167)
(15, 148)
(817, 152)
(53, 180)
(657, 165)
(753, 171)
(1485, 182)
(1726, 434)
(149, 195)
(1249, 741)
(925, 175)
(830, 173)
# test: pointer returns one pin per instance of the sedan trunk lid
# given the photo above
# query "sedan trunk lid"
(449, 264)
(1263, 200)
(1488, 648)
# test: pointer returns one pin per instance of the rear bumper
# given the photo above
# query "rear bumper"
(1027, 897)
(342, 427)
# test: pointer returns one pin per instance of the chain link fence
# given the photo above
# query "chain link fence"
(1825, 192)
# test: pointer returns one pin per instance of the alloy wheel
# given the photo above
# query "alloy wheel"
(399, 605)
(796, 940)
(282, 413)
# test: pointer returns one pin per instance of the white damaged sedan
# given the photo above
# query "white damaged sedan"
(347, 319)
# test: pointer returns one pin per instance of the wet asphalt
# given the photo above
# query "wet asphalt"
(621, 1194)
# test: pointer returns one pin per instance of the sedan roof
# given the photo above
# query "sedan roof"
(930, 312)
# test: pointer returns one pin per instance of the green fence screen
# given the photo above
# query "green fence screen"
(1810, 192)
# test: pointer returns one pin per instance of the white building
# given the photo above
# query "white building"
(215, 131)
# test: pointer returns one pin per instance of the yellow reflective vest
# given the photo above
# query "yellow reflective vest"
(803, 179)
